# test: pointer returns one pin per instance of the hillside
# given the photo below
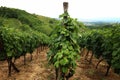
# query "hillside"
(10, 17)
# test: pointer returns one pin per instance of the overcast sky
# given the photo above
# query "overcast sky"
(81, 9)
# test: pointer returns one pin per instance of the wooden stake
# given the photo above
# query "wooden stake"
(65, 6)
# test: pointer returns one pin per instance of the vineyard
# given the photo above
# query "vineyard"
(65, 49)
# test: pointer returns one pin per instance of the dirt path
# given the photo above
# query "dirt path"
(38, 69)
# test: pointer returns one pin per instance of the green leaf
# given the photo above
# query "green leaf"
(9, 54)
(56, 64)
(64, 69)
(59, 55)
(64, 61)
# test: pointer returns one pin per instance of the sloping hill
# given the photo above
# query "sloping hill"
(11, 17)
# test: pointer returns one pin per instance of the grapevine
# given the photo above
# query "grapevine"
(64, 47)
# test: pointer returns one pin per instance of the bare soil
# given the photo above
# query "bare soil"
(38, 69)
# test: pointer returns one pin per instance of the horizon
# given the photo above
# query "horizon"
(85, 10)
(115, 20)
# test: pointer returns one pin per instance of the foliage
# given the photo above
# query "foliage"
(64, 47)
(15, 18)
(104, 43)
(17, 43)
(19, 32)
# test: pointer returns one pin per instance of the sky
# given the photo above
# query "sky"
(81, 9)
